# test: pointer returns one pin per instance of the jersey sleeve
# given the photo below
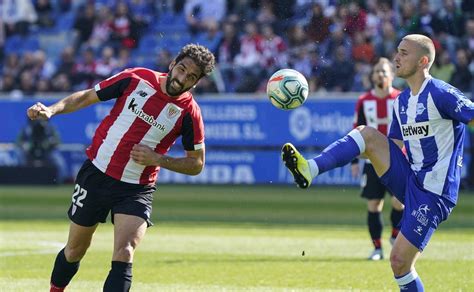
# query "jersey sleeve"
(192, 131)
(113, 87)
(395, 132)
(453, 104)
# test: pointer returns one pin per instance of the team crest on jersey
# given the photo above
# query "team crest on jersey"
(420, 108)
(173, 111)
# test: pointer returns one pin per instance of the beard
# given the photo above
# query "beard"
(173, 91)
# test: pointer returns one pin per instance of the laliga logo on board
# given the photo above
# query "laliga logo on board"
(300, 123)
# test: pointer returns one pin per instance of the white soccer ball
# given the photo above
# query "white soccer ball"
(287, 89)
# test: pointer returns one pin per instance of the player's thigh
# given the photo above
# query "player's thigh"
(129, 230)
(79, 240)
(376, 149)
(80, 235)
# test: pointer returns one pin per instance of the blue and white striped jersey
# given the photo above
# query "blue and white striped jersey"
(431, 127)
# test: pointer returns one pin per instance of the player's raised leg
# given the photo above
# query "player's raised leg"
(129, 230)
(362, 140)
(68, 259)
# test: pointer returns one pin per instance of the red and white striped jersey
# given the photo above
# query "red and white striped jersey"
(142, 114)
(375, 111)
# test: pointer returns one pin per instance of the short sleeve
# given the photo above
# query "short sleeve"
(113, 87)
(192, 130)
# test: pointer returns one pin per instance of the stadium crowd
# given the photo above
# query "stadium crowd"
(64, 45)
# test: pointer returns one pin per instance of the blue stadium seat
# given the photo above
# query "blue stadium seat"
(20, 44)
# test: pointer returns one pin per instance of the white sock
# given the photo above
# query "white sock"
(313, 168)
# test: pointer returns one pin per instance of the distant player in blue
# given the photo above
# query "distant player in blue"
(428, 119)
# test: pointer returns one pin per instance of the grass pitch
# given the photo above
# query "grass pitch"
(231, 238)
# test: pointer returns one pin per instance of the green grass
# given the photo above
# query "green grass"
(243, 238)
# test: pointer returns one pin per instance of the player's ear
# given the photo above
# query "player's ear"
(424, 61)
(172, 65)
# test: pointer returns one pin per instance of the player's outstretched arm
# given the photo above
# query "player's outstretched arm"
(71, 103)
(192, 164)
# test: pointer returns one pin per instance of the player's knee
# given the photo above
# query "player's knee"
(371, 137)
(399, 265)
(75, 253)
(124, 253)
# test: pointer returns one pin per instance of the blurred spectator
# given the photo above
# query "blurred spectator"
(123, 60)
(463, 77)
(363, 50)
(227, 49)
(337, 39)
(84, 24)
(43, 67)
(409, 22)
(7, 83)
(339, 75)
(274, 55)
(451, 19)
(386, 43)
(101, 28)
(248, 59)
(266, 14)
(467, 41)
(66, 62)
(318, 25)
(18, 15)
(163, 60)
(361, 80)
(11, 65)
(426, 18)
(61, 83)
(199, 12)
(442, 67)
(38, 142)
(27, 84)
(106, 64)
(143, 12)
(124, 31)
(211, 37)
(84, 72)
(45, 11)
(356, 19)
(43, 86)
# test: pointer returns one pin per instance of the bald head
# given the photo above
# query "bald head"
(424, 46)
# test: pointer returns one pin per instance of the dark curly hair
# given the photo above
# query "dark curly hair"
(200, 55)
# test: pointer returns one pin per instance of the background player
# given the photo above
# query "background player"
(151, 111)
(374, 109)
(428, 120)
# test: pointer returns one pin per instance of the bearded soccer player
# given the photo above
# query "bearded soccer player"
(374, 109)
(151, 111)
(428, 120)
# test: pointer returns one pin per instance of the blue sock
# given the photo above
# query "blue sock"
(340, 152)
(410, 282)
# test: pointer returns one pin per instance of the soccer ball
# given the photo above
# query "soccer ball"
(287, 89)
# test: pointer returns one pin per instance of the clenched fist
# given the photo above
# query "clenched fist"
(39, 111)
(144, 155)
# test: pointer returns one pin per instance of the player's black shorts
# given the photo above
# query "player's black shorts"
(96, 194)
(372, 187)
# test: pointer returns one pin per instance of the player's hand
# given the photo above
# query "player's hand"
(355, 169)
(39, 111)
(144, 155)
